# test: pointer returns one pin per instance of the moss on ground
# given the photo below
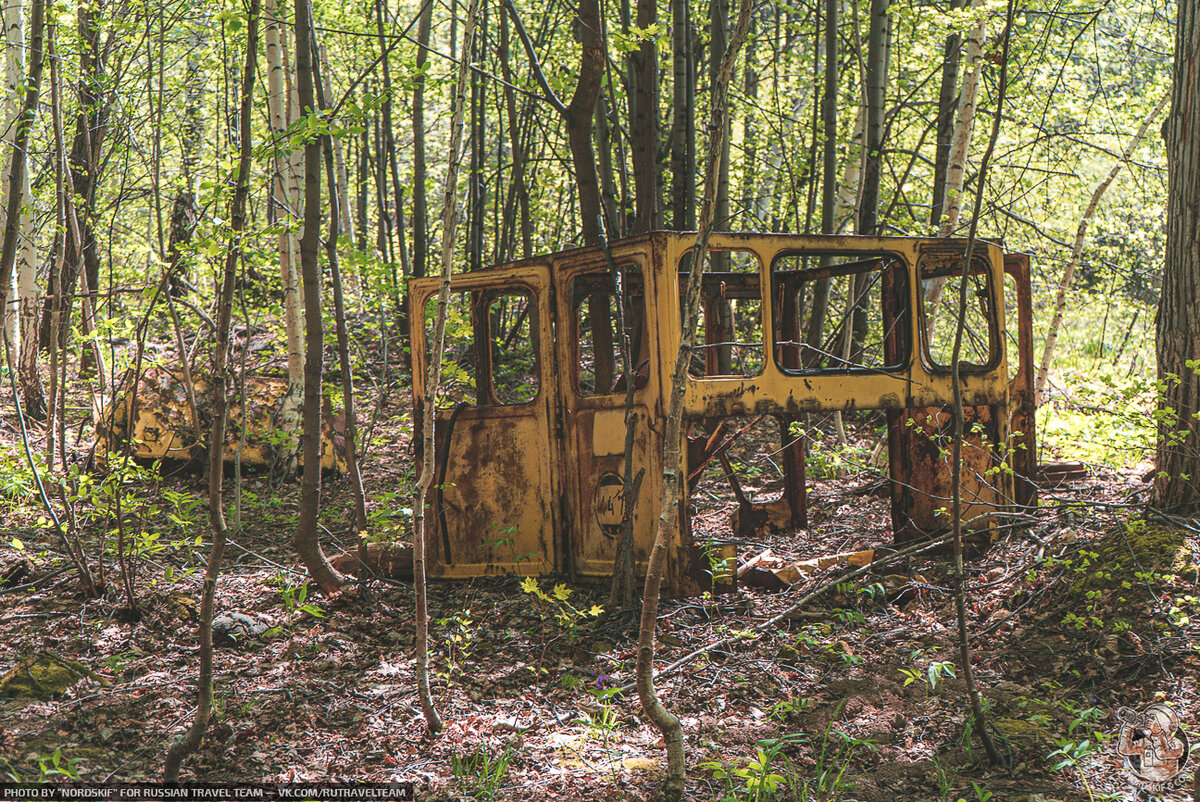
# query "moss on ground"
(1125, 559)
(42, 676)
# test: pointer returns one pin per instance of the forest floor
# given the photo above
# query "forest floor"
(1086, 607)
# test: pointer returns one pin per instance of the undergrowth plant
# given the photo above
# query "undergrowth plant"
(758, 776)
(557, 604)
(770, 772)
(52, 767)
(479, 774)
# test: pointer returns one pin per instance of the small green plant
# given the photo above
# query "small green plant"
(946, 776)
(933, 673)
(459, 638)
(982, 794)
(830, 780)
(557, 603)
(506, 535)
(789, 708)
(295, 601)
(720, 568)
(54, 766)
(601, 724)
(758, 774)
(479, 774)
(1069, 754)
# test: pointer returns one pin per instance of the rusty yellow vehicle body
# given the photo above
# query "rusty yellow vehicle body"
(162, 424)
(531, 427)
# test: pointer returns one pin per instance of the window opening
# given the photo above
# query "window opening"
(598, 328)
(843, 315)
(729, 336)
(512, 322)
(941, 282)
(489, 334)
(459, 364)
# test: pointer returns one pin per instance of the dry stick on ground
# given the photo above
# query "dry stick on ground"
(960, 603)
(674, 482)
(909, 551)
(433, 372)
(216, 449)
(1068, 274)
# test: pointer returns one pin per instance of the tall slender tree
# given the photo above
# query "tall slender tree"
(283, 210)
(433, 373)
(18, 257)
(307, 543)
(667, 535)
(190, 741)
(1177, 483)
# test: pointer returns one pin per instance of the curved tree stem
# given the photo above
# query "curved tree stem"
(674, 470)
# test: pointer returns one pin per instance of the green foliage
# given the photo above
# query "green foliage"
(770, 772)
(1101, 405)
(50, 768)
(295, 600)
(557, 604)
(758, 775)
(480, 774)
(459, 638)
(832, 460)
(788, 709)
(933, 673)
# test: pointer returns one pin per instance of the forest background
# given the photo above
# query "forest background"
(133, 142)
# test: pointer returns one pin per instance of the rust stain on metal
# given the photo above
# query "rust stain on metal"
(162, 428)
(530, 439)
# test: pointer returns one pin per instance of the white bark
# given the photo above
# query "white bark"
(14, 75)
(964, 124)
(849, 191)
(285, 196)
(960, 147)
(1064, 283)
(23, 336)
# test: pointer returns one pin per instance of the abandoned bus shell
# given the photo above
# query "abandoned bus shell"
(531, 428)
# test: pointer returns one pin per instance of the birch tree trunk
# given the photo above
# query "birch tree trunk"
(964, 124)
(960, 146)
(14, 75)
(947, 104)
(22, 327)
(673, 497)
(282, 210)
(433, 372)
(820, 299)
(1064, 282)
(420, 215)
